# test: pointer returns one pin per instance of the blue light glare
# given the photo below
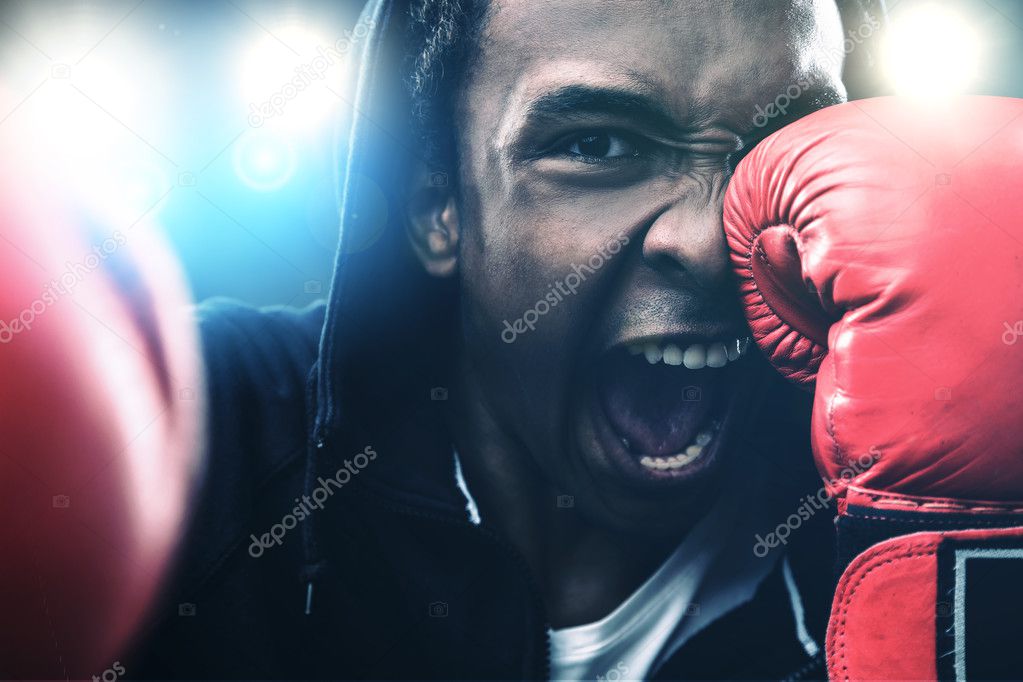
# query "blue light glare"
(264, 161)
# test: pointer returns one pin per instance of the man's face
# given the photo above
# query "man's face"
(598, 309)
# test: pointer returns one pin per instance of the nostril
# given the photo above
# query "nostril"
(663, 262)
(695, 262)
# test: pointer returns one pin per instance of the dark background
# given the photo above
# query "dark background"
(141, 110)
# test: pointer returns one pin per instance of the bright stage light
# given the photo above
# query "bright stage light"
(285, 79)
(86, 130)
(264, 161)
(94, 107)
(932, 51)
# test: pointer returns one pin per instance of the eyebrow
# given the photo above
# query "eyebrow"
(581, 100)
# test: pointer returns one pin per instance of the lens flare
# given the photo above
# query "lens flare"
(264, 161)
(932, 52)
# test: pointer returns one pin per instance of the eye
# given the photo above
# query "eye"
(599, 146)
(735, 157)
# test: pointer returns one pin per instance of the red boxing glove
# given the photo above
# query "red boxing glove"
(100, 415)
(879, 249)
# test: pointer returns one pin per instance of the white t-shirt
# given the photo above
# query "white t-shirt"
(713, 571)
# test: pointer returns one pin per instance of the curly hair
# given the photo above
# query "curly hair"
(442, 44)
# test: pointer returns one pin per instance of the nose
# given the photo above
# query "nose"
(686, 244)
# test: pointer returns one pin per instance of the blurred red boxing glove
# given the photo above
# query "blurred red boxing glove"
(879, 250)
(100, 419)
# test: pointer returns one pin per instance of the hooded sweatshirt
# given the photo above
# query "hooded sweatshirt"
(330, 536)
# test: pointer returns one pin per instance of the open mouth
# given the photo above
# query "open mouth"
(665, 402)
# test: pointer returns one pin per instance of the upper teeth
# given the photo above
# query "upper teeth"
(693, 356)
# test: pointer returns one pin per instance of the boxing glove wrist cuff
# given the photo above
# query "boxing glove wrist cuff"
(867, 517)
(926, 594)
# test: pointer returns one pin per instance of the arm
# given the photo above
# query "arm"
(101, 404)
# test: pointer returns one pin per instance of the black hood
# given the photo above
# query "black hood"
(382, 346)
(376, 287)
(383, 343)
(378, 290)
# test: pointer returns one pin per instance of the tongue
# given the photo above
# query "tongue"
(659, 409)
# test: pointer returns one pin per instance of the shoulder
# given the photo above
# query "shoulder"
(257, 363)
(274, 343)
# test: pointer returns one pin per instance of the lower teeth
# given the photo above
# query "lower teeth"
(687, 456)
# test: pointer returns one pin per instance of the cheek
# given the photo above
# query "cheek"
(520, 256)
(535, 255)
(537, 308)
(508, 273)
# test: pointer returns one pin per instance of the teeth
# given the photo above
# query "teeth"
(687, 456)
(653, 353)
(672, 355)
(663, 463)
(715, 354)
(695, 356)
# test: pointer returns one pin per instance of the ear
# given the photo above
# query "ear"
(432, 221)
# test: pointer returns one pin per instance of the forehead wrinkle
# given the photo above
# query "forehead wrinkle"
(704, 89)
